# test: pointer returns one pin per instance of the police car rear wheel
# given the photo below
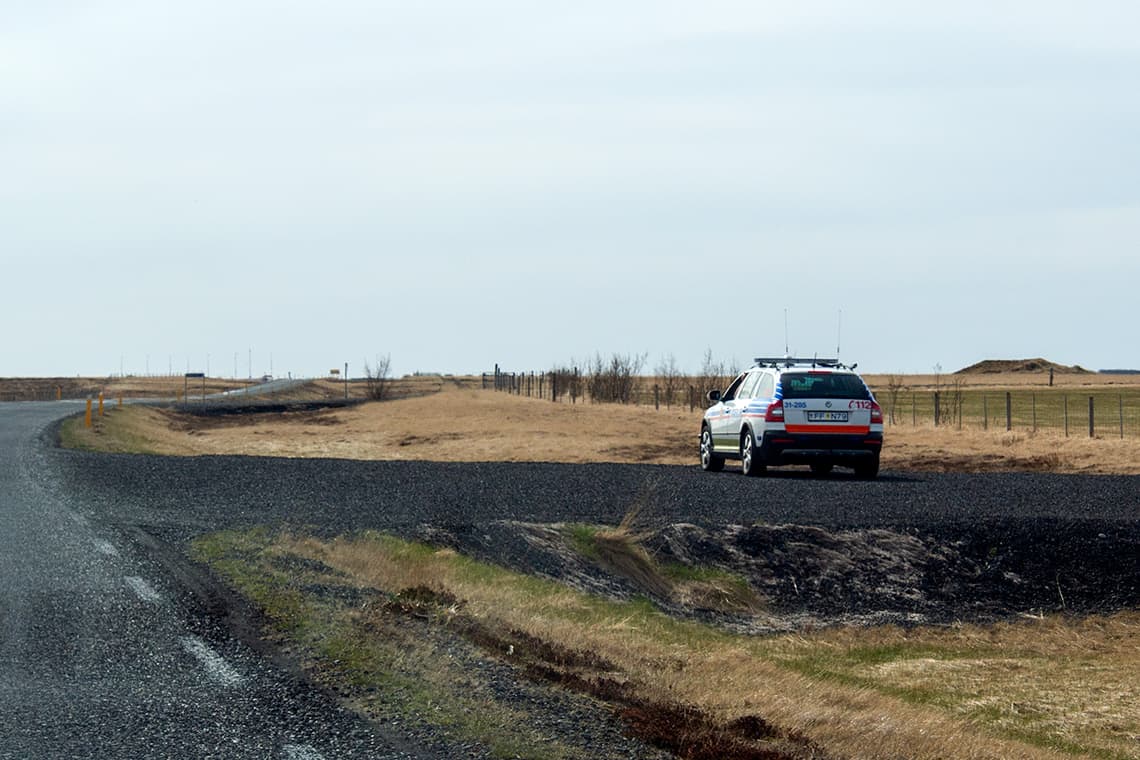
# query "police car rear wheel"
(868, 470)
(750, 456)
(710, 461)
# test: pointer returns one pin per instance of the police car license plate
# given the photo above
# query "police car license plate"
(827, 416)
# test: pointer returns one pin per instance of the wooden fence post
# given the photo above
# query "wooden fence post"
(1008, 411)
(1120, 398)
(1092, 416)
(657, 398)
(937, 408)
(1065, 399)
(554, 386)
(985, 412)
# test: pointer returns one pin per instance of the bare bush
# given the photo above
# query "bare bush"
(614, 380)
(670, 377)
(377, 378)
(956, 396)
(895, 386)
(566, 380)
(714, 374)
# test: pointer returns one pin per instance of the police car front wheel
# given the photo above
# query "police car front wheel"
(710, 460)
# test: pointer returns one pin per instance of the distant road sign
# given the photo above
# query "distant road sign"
(195, 374)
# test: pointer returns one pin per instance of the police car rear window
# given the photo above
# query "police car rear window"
(822, 385)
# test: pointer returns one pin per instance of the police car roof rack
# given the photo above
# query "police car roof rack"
(795, 361)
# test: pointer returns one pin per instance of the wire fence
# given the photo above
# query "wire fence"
(1099, 413)
(1092, 413)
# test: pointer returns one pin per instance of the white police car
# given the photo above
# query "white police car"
(794, 411)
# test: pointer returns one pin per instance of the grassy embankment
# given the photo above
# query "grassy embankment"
(472, 425)
(380, 618)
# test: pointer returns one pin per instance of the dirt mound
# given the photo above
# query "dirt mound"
(999, 366)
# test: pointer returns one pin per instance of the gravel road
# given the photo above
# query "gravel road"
(186, 495)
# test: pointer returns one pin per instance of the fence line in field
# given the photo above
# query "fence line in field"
(1092, 413)
(1089, 413)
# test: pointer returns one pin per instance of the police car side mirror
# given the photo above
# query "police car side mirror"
(713, 396)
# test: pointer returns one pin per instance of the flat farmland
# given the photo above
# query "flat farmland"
(454, 420)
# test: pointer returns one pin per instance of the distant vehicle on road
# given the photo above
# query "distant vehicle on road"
(788, 410)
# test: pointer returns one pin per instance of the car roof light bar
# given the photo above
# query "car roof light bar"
(797, 361)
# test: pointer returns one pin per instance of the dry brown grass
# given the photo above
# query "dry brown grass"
(459, 424)
(1070, 682)
(1001, 380)
(734, 679)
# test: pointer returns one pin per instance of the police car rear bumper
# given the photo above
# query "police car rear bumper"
(787, 448)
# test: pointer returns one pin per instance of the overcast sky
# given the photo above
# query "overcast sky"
(457, 184)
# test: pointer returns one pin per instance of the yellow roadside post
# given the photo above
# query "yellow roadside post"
(120, 401)
(87, 417)
(59, 393)
(100, 404)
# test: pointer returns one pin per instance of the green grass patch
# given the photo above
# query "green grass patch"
(583, 539)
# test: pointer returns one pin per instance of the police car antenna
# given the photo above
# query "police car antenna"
(786, 351)
(839, 335)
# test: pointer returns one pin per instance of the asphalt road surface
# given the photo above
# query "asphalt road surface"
(108, 650)
(103, 653)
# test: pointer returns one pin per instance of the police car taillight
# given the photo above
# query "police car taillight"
(775, 411)
(876, 413)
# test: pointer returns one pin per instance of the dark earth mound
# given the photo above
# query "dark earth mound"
(811, 576)
(997, 366)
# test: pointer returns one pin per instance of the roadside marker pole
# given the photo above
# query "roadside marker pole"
(59, 393)
(100, 404)
(87, 417)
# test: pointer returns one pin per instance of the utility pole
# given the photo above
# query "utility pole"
(346, 381)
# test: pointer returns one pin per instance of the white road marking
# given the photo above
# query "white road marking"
(301, 752)
(106, 547)
(143, 589)
(213, 662)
